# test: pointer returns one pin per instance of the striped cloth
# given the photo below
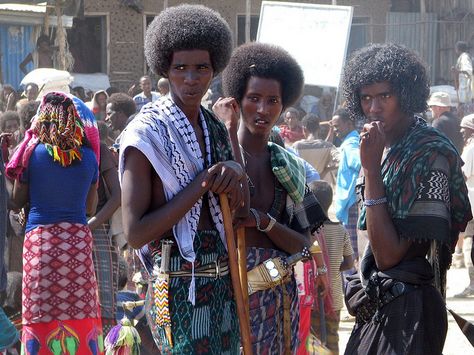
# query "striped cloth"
(338, 245)
(105, 258)
(351, 227)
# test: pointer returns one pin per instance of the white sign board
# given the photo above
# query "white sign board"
(316, 36)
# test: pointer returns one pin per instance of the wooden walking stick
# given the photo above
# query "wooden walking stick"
(234, 273)
(242, 261)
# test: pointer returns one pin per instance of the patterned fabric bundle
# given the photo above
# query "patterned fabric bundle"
(289, 170)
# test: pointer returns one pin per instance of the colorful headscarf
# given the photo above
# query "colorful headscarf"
(19, 161)
(59, 127)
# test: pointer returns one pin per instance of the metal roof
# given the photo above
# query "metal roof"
(40, 8)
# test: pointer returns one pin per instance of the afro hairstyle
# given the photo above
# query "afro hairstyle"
(311, 122)
(392, 63)
(122, 102)
(263, 61)
(187, 27)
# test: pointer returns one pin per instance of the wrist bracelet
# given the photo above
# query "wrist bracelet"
(374, 202)
(256, 216)
(270, 224)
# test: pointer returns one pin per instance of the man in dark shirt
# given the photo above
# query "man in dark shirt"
(444, 120)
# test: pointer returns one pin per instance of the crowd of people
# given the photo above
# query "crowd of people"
(105, 196)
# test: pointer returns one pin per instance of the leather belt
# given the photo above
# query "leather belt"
(216, 270)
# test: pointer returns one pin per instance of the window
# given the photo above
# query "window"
(241, 28)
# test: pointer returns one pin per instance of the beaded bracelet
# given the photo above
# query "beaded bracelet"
(257, 221)
(374, 202)
(270, 224)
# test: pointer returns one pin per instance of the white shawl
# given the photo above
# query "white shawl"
(162, 132)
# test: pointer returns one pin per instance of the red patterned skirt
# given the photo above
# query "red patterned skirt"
(60, 299)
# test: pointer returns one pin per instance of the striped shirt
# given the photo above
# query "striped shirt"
(338, 245)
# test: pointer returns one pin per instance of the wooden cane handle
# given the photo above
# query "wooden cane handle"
(234, 273)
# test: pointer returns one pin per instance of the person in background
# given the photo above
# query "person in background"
(60, 294)
(291, 131)
(10, 128)
(79, 92)
(341, 258)
(146, 96)
(463, 75)
(322, 155)
(467, 130)
(98, 103)
(8, 334)
(444, 120)
(163, 86)
(397, 298)
(120, 111)
(9, 122)
(26, 113)
(9, 98)
(345, 199)
(41, 57)
(105, 252)
(31, 91)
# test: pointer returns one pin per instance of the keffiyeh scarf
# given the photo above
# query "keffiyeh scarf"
(163, 133)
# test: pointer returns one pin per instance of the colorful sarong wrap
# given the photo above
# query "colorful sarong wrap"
(61, 312)
(267, 308)
(211, 325)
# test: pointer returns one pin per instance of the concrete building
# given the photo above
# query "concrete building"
(120, 29)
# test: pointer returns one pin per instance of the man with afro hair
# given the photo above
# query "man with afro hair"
(260, 81)
(414, 204)
(175, 159)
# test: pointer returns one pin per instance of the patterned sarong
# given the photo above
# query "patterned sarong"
(266, 309)
(60, 304)
(211, 325)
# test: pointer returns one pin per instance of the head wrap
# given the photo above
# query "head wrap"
(59, 127)
(468, 122)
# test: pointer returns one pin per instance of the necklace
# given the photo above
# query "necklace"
(249, 180)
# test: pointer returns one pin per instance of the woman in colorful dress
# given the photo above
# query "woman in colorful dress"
(60, 304)
(261, 81)
(175, 159)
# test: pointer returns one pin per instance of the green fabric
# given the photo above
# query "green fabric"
(211, 326)
(220, 144)
(408, 163)
(289, 171)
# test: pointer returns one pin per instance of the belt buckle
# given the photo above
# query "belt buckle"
(398, 288)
